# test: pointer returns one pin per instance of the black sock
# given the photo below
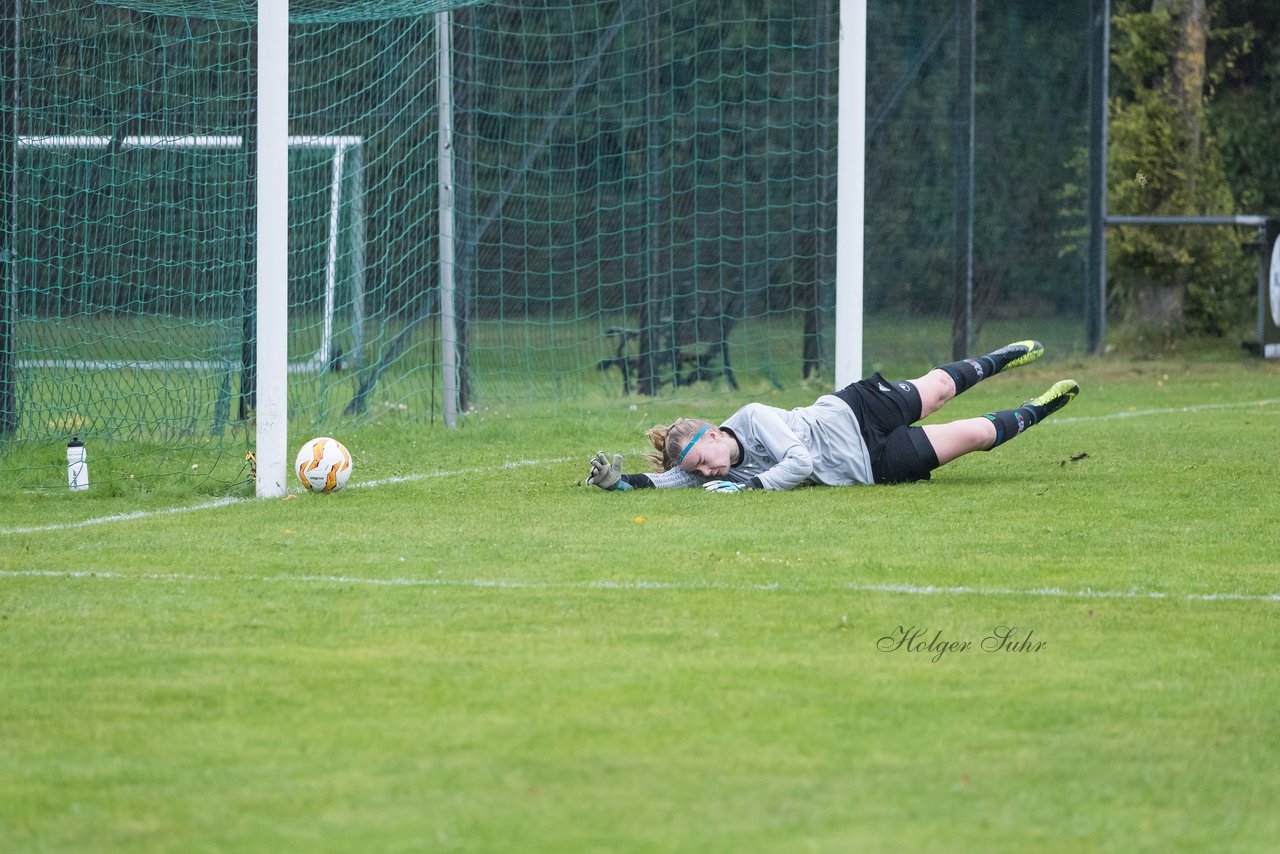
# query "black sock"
(968, 372)
(1011, 422)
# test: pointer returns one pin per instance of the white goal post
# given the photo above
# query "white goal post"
(346, 163)
(271, 430)
(851, 190)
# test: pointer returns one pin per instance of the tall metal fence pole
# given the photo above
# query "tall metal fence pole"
(964, 141)
(1095, 294)
(9, 67)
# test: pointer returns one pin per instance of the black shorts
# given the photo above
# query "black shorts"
(886, 410)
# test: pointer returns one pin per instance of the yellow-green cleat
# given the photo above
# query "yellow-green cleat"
(1020, 353)
(1059, 395)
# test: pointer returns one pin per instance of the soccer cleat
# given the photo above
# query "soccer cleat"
(1059, 395)
(1020, 353)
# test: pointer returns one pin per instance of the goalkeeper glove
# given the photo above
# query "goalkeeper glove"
(725, 486)
(607, 475)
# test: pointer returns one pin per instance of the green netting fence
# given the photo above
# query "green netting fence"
(645, 206)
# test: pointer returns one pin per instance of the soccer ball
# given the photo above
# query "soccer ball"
(323, 465)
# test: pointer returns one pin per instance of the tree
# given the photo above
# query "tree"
(1164, 160)
(1246, 100)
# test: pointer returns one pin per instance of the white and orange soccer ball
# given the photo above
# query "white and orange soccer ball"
(323, 465)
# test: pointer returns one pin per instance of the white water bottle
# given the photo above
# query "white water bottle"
(77, 468)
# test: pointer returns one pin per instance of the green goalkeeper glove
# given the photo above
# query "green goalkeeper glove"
(607, 475)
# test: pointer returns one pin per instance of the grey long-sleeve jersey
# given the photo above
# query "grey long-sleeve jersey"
(782, 449)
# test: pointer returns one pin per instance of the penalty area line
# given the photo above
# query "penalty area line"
(1174, 410)
(641, 585)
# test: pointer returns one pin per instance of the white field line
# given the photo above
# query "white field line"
(223, 502)
(658, 586)
(1138, 413)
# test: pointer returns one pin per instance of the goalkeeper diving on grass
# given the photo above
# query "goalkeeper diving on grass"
(862, 434)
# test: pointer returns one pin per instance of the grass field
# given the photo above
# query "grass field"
(466, 650)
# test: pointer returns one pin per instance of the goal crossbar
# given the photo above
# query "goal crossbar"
(226, 141)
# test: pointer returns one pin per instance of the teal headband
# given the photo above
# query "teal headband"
(696, 437)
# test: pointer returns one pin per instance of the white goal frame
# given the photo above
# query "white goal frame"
(347, 160)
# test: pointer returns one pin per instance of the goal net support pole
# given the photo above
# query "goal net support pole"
(448, 291)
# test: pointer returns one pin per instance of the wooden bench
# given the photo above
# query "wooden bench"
(682, 362)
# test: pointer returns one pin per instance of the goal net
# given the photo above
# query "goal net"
(642, 199)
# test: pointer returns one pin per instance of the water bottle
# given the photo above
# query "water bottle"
(77, 468)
